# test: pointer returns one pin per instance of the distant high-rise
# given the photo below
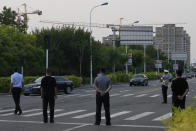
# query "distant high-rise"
(171, 39)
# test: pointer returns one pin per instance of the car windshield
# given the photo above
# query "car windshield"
(38, 80)
(138, 76)
(59, 78)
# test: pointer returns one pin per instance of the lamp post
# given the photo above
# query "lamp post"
(135, 22)
(91, 58)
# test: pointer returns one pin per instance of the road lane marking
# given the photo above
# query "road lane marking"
(118, 114)
(141, 95)
(155, 95)
(40, 113)
(116, 94)
(139, 116)
(32, 110)
(88, 124)
(85, 95)
(68, 113)
(124, 90)
(169, 96)
(85, 115)
(73, 128)
(127, 95)
(2, 111)
(163, 117)
(71, 95)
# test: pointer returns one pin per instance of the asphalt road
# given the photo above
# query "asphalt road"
(136, 108)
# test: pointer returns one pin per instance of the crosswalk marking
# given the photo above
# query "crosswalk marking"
(85, 115)
(40, 113)
(9, 114)
(139, 116)
(68, 113)
(163, 117)
(85, 95)
(124, 90)
(155, 95)
(118, 114)
(2, 111)
(71, 95)
(169, 96)
(127, 95)
(116, 94)
(141, 95)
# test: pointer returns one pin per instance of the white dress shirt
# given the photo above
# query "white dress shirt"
(16, 80)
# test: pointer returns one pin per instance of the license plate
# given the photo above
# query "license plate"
(27, 90)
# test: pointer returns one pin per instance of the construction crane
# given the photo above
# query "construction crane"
(25, 16)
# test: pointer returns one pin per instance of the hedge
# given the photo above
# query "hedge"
(119, 77)
(5, 81)
(182, 121)
(77, 81)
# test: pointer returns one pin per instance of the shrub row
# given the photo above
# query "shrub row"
(182, 121)
(77, 81)
(122, 77)
(5, 81)
(119, 77)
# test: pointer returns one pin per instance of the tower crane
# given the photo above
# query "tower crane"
(25, 16)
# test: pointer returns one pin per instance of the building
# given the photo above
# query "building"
(108, 40)
(172, 40)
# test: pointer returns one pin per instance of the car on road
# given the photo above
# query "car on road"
(62, 84)
(139, 79)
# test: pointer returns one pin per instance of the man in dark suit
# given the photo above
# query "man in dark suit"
(48, 94)
(180, 89)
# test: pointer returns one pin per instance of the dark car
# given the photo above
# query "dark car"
(139, 79)
(184, 75)
(62, 84)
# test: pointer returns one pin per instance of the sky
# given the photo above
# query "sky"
(146, 11)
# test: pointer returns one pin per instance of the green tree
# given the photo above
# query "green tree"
(10, 17)
(14, 44)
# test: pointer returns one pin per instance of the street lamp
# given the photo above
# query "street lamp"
(91, 59)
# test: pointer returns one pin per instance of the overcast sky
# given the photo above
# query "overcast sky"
(146, 11)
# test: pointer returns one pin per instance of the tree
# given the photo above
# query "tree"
(14, 44)
(9, 17)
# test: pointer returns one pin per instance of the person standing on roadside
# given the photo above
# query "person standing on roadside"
(165, 81)
(16, 87)
(180, 89)
(102, 84)
(48, 94)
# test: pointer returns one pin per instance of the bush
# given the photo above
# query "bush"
(153, 75)
(5, 82)
(183, 121)
(119, 77)
(77, 81)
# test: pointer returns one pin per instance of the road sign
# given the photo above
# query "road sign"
(136, 35)
(130, 59)
(179, 56)
(175, 66)
(158, 64)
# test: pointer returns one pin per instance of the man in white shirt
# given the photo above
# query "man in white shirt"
(16, 86)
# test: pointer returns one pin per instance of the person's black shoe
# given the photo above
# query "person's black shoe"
(51, 121)
(108, 124)
(20, 112)
(97, 124)
(15, 112)
(45, 121)
(164, 102)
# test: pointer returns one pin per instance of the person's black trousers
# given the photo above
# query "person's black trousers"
(164, 92)
(178, 103)
(16, 92)
(51, 101)
(106, 102)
